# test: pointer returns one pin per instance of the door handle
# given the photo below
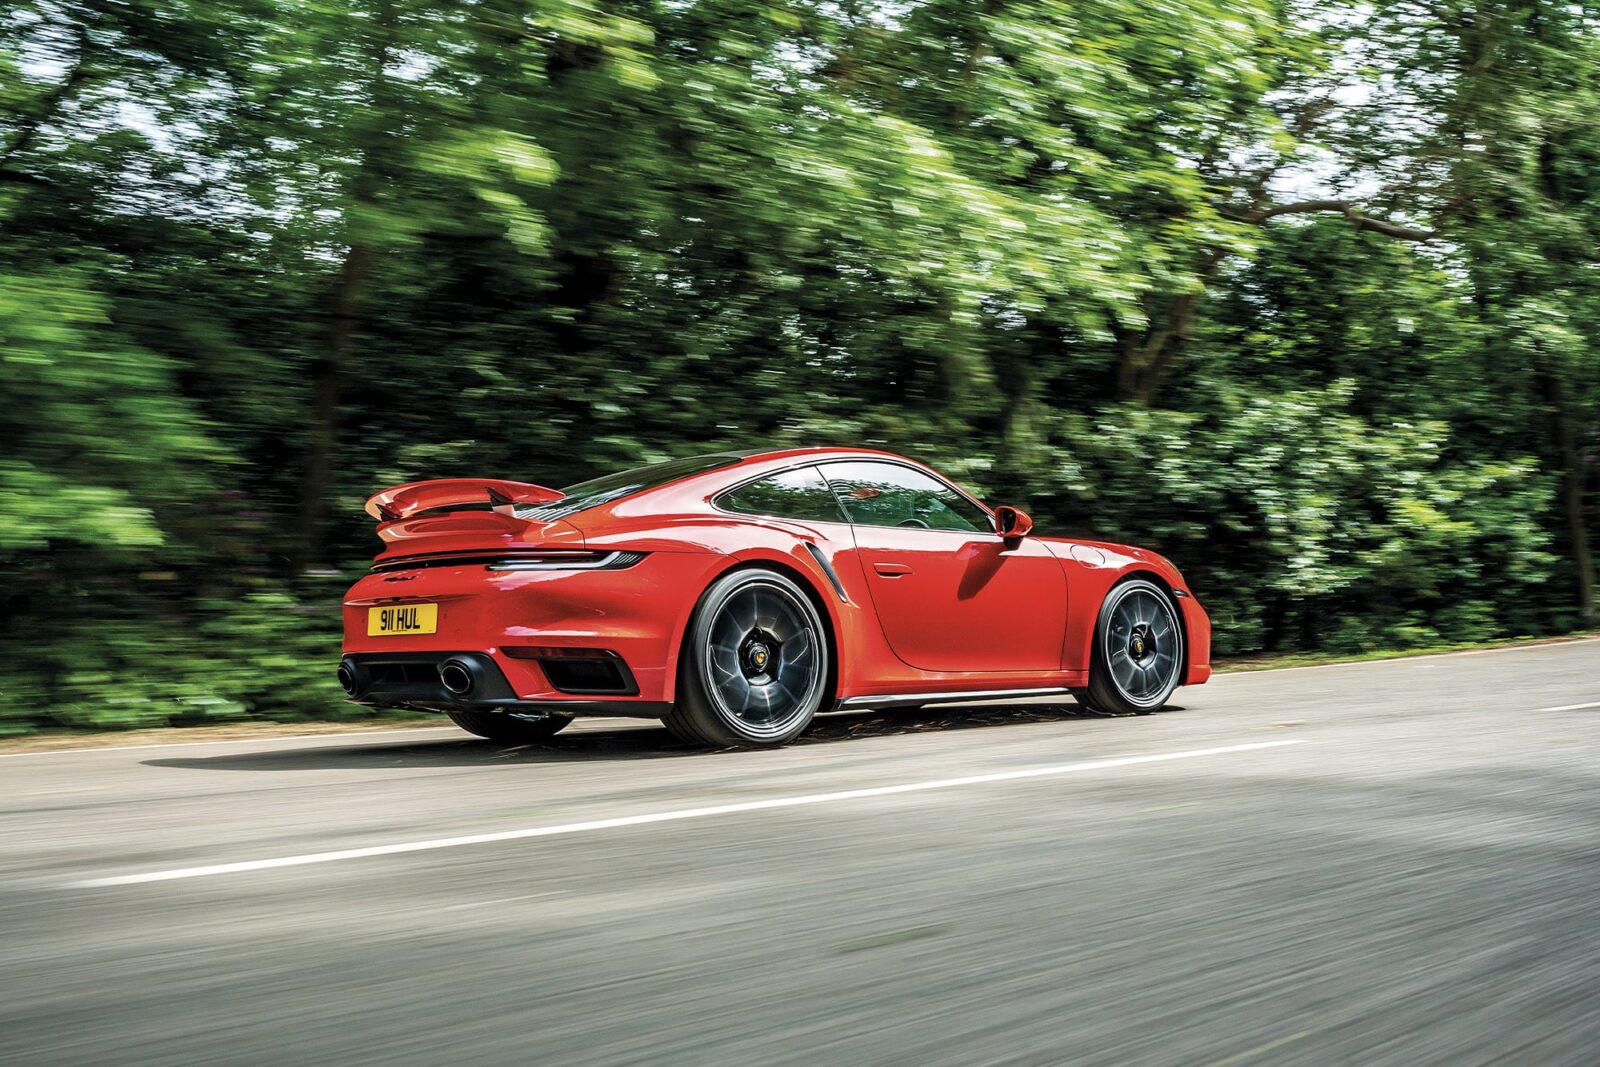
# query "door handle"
(891, 570)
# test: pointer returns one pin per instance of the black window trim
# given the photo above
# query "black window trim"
(532, 511)
(819, 464)
(716, 498)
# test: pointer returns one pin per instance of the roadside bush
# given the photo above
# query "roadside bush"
(1303, 525)
(264, 655)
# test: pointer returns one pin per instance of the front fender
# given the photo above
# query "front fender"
(1093, 568)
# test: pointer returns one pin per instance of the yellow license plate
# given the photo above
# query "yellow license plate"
(399, 619)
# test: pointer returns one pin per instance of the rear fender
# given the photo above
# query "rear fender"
(797, 564)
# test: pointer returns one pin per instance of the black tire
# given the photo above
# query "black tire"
(1137, 661)
(754, 667)
(509, 729)
(1086, 702)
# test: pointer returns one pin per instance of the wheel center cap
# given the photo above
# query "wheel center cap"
(757, 655)
(1140, 644)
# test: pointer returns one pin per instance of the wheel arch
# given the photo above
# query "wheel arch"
(1161, 582)
(1156, 578)
(808, 585)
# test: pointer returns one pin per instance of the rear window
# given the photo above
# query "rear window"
(609, 487)
(797, 494)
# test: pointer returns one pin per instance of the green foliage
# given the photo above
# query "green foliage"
(259, 257)
(99, 435)
(135, 662)
(1288, 511)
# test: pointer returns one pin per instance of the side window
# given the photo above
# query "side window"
(886, 494)
(797, 494)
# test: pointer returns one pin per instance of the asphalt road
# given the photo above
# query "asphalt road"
(1385, 863)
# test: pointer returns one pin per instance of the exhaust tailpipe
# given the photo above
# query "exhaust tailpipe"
(349, 675)
(456, 677)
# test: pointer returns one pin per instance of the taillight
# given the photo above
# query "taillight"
(569, 560)
(554, 559)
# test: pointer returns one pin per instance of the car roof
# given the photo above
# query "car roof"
(756, 463)
(694, 492)
(816, 451)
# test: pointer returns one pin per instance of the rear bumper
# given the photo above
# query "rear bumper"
(514, 628)
(414, 680)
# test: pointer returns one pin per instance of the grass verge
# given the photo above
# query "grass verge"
(1278, 661)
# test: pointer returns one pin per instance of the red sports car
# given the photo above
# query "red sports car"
(735, 595)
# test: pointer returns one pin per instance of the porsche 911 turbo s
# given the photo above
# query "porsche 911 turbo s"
(736, 595)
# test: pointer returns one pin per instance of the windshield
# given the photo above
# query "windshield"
(609, 487)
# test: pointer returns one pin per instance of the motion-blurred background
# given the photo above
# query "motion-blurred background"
(1304, 295)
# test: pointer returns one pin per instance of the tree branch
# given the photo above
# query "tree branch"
(31, 124)
(1344, 207)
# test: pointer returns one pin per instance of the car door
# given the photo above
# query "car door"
(948, 591)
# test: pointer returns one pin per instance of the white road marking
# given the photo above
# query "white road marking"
(1574, 707)
(660, 816)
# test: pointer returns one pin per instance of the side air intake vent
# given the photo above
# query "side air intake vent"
(579, 670)
(584, 675)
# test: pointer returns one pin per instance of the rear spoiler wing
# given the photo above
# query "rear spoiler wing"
(394, 504)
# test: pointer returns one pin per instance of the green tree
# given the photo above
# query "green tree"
(1302, 295)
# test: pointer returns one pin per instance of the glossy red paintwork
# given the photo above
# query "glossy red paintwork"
(922, 611)
(963, 603)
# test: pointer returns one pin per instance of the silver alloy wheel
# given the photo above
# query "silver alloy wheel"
(1143, 646)
(762, 660)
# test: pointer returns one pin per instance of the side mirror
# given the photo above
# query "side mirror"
(1013, 524)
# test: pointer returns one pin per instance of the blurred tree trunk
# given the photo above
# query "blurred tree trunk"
(1572, 492)
(339, 355)
(327, 388)
(1144, 357)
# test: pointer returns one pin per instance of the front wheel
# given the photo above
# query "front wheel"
(754, 668)
(510, 729)
(1137, 660)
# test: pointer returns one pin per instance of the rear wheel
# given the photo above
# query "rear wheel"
(754, 667)
(508, 728)
(1137, 660)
